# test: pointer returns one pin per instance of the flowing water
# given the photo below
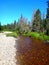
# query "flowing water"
(32, 52)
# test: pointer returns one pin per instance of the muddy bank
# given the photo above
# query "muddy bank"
(32, 52)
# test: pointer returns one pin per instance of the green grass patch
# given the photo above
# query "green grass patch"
(1, 31)
(37, 35)
(13, 34)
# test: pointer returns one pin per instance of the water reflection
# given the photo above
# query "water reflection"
(32, 52)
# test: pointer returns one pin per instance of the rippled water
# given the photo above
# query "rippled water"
(32, 52)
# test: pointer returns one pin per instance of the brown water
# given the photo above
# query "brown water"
(32, 52)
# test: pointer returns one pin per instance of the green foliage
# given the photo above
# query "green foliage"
(47, 13)
(37, 35)
(36, 25)
(47, 26)
(22, 24)
(13, 34)
(44, 23)
(0, 27)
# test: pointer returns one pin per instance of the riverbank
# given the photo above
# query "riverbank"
(7, 49)
(36, 35)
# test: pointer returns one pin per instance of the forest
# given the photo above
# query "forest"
(38, 27)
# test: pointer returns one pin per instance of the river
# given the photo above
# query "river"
(32, 52)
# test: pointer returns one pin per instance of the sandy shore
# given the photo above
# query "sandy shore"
(7, 50)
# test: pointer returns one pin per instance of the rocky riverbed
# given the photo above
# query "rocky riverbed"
(7, 50)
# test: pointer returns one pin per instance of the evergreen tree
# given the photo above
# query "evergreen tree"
(47, 19)
(0, 26)
(37, 21)
(15, 25)
(47, 10)
(47, 26)
(44, 25)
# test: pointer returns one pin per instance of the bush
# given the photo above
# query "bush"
(37, 35)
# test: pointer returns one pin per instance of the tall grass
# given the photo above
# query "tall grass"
(37, 35)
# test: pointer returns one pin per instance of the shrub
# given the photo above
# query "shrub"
(37, 35)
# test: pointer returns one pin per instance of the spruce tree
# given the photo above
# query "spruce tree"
(37, 21)
(47, 19)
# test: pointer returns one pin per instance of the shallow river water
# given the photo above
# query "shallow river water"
(32, 52)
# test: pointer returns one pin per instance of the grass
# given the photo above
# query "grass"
(13, 34)
(37, 35)
(30, 34)
(1, 31)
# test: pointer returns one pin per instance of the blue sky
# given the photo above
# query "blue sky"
(11, 10)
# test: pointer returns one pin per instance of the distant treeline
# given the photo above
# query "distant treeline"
(37, 24)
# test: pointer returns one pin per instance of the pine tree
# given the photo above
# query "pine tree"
(47, 19)
(37, 21)
(0, 26)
